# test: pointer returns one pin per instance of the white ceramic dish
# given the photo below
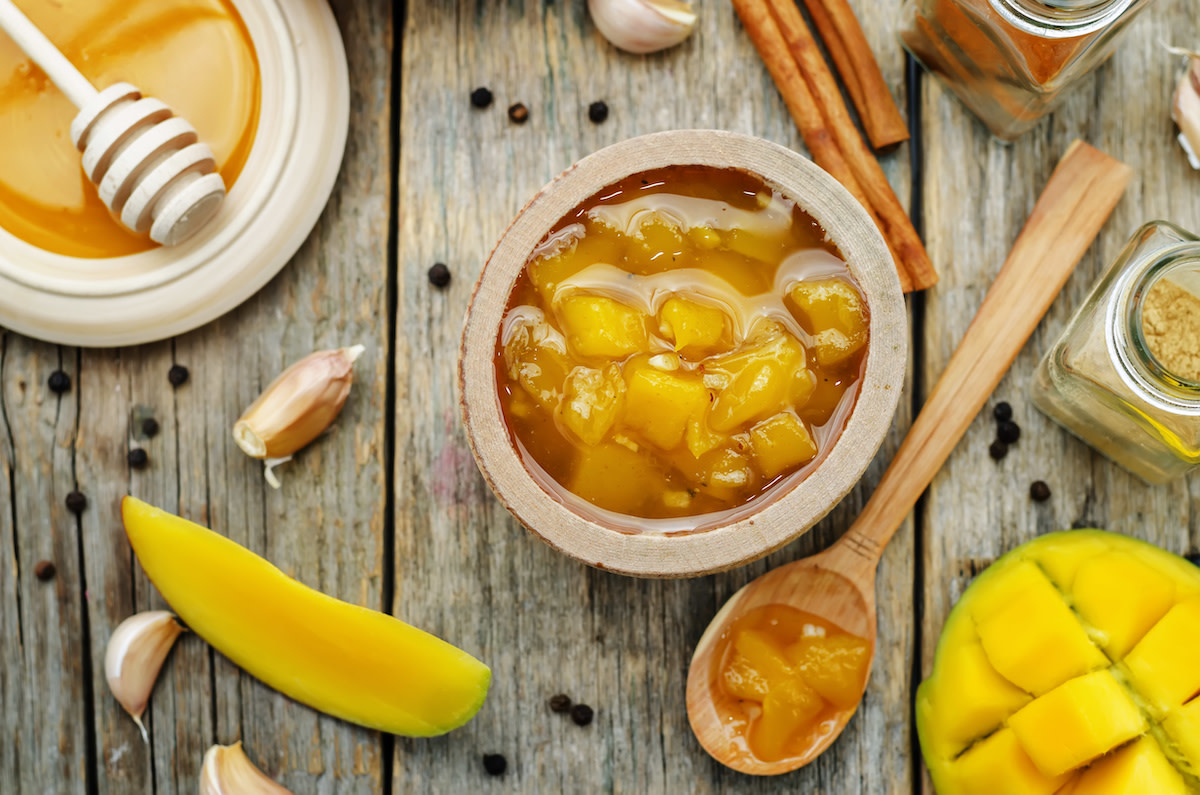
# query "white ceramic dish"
(304, 117)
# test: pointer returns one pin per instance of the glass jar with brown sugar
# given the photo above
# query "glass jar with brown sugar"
(1125, 375)
(1010, 61)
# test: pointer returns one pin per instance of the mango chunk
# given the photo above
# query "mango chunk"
(836, 667)
(1031, 637)
(659, 405)
(591, 401)
(356, 664)
(1183, 727)
(1137, 769)
(613, 476)
(1077, 722)
(764, 654)
(761, 381)
(1165, 665)
(741, 679)
(1062, 554)
(835, 314)
(1122, 598)
(998, 765)
(695, 329)
(789, 706)
(535, 356)
(597, 326)
(982, 698)
(780, 443)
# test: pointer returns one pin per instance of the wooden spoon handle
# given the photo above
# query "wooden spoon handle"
(1081, 194)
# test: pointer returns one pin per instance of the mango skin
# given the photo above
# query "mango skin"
(356, 664)
(949, 723)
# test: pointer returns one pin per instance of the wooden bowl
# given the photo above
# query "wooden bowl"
(789, 508)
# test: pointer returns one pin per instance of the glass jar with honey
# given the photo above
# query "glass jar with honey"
(1010, 61)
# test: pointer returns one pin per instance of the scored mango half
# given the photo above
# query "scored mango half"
(1071, 666)
(353, 663)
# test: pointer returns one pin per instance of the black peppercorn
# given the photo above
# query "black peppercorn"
(137, 458)
(560, 703)
(44, 571)
(582, 714)
(177, 375)
(439, 275)
(76, 502)
(1008, 432)
(495, 764)
(1039, 491)
(598, 112)
(1002, 412)
(998, 450)
(518, 113)
(481, 97)
(150, 427)
(58, 382)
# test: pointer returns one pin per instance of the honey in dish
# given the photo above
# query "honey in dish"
(194, 55)
(784, 678)
(679, 343)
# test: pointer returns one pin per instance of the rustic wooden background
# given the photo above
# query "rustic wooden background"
(389, 511)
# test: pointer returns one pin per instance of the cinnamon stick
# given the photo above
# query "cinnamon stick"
(860, 72)
(895, 223)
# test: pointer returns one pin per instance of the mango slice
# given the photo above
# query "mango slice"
(999, 765)
(599, 327)
(1113, 725)
(356, 664)
(1137, 769)
(1077, 722)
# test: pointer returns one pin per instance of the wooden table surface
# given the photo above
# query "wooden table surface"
(389, 511)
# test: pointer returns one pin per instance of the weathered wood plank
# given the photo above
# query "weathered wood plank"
(978, 195)
(42, 705)
(465, 570)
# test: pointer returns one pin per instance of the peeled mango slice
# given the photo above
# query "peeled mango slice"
(356, 664)
(1070, 667)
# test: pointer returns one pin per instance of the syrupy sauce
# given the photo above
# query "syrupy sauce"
(194, 55)
(721, 239)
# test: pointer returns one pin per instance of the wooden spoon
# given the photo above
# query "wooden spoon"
(839, 583)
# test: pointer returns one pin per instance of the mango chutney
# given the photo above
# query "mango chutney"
(194, 55)
(784, 678)
(679, 343)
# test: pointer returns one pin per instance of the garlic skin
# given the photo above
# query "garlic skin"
(228, 771)
(297, 406)
(134, 657)
(643, 26)
(1186, 110)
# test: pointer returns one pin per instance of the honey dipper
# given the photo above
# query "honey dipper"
(150, 168)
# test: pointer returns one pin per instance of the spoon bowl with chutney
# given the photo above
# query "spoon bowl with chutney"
(684, 351)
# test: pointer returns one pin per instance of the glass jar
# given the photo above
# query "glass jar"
(1009, 61)
(1125, 375)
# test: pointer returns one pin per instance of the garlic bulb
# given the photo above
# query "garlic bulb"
(228, 771)
(642, 26)
(297, 406)
(1186, 111)
(134, 657)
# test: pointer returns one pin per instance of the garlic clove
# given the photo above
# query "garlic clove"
(297, 406)
(228, 771)
(134, 657)
(643, 26)
(1186, 111)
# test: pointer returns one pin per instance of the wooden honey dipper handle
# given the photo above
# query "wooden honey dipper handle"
(1081, 194)
(43, 52)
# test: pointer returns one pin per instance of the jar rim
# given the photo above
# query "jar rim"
(1060, 19)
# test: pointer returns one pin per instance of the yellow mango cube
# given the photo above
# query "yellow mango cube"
(724, 472)
(834, 313)
(982, 699)
(1183, 727)
(1030, 636)
(781, 443)
(700, 438)
(742, 680)
(1077, 722)
(695, 329)
(1122, 598)
(1061, 556)
(836, 667)
(591, 401)
(1137, 769)
(761, 380)
(764, 655)
(597, 326)
(789, 706)
(1165, 665)
(659, 405)
(998, 765)
(614, 476)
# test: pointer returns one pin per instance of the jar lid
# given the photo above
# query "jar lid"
(303, 121)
